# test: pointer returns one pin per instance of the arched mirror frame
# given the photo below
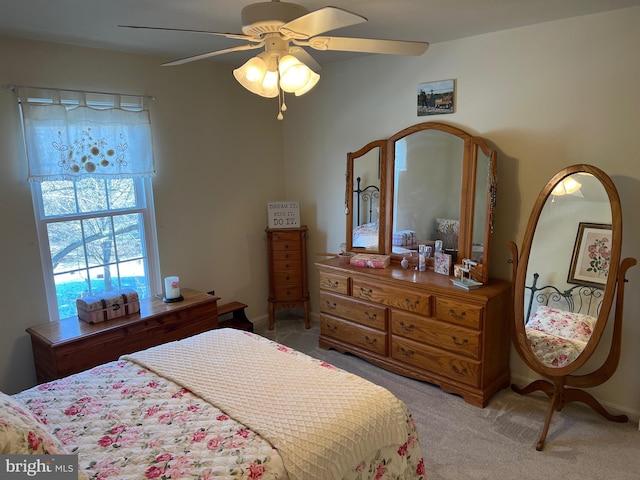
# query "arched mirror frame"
(562, 377)
(520, 339)
(468, 194)
(350, 197)
(468, 190)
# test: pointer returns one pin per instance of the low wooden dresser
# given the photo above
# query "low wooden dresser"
(418, 324)
(71, 345)
(288, 288)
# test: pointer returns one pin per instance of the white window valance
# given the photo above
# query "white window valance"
(71, 135)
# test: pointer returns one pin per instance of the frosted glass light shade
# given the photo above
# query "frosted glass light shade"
(293, 74)
(255, 77)
(313, 79)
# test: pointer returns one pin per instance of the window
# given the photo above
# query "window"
(90, 167)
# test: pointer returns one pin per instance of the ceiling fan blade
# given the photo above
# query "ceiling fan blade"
(304, 56)
(366, 45)
(238, 36)
(320, 21)
(212, 54)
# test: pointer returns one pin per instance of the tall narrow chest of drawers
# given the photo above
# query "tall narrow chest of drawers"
(287, 248)
(420, 325)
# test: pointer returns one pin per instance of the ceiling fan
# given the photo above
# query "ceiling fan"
(283, 29)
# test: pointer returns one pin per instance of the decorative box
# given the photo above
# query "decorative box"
(109, 305)
(370, 260)
(404, 237)
(442, 263)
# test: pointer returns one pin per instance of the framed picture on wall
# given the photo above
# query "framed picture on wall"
(591, 255)
(436, 98)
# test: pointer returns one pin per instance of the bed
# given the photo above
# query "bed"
(222, 404)
(559, 322)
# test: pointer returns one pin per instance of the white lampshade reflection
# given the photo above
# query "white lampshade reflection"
(566, 187)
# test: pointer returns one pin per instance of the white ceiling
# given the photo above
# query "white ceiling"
(94, 23)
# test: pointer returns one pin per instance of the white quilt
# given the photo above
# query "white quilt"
(323, 421)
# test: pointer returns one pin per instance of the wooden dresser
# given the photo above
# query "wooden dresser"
(419, 325)
(288, 288)
(71, 345)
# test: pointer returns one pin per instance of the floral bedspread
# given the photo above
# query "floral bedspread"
(124, 422)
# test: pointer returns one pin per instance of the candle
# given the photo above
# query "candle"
(172, 287)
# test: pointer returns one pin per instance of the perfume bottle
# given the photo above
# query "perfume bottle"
(422, 258)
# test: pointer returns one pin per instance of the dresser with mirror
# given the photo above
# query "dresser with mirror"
(428, 184)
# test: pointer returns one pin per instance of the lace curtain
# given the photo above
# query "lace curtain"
(71, 135)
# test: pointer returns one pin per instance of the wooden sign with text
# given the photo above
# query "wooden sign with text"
(283, 214)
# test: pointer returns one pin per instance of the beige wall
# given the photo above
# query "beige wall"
(546, 96)
(219, 160)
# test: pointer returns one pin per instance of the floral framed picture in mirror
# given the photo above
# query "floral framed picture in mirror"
(436, 98)
(591, 254)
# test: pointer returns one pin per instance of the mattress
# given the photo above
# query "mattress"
(142, 418)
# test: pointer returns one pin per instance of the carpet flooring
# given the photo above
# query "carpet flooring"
(460, 441)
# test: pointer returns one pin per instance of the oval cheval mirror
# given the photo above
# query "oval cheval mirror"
(565, 281)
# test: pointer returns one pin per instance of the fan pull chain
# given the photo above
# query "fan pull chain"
(282, 107)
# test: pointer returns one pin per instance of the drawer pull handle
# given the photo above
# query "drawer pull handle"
(407, 353)
(407, 327)
(462, 371)
(286, 246)
(410, 304)
(329, 284)
(370, 341)
(286, 256)
(287, 277)
(365, 293)
(455, 315)
(371, 316)
(332, 328)
(331, 306)
(459, 343)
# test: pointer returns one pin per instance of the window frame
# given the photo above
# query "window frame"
(145, 207)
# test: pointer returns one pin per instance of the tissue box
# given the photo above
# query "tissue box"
(108, 305)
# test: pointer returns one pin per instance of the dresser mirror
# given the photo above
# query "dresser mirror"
(436, 182)
(366, 186)
(566, 279)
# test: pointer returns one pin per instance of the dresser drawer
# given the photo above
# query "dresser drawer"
(402, 298)
(436, 361)
(292, 245)
(292, 277)
(374, 316)
(287, 265)
(438, 334)
(278, 236)
(281, 255)
(459, 313)
(334, 283)
(358, 335)
(288, 292)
